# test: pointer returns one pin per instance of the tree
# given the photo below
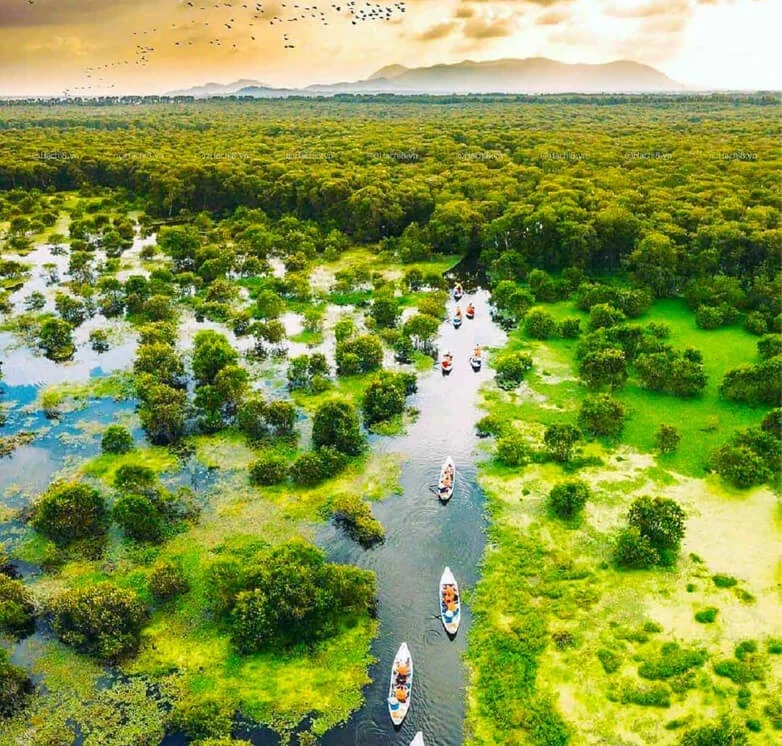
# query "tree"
(655, 263)
(672, 371)
(162, 413)
(211, 353)
(560, 440)
(281, 418)
(770, 345)
(251, 417)
(568, 498)
(385, 311)
(231, 385)
(385, 396)
(54, 338)
(70, 309)
(359, 355)
(336, 424)
(166, 581)
(667, 439)
(740, 465)
(116, 439)
(539, 324)
(181, 243)
(601, 415)
(160, 361)
(269, 305)
(511, 369)
(101, 620)
(603, 367)
(69, 512)
(17, 609)
(754, 384)
(659, 519)
(422, 329)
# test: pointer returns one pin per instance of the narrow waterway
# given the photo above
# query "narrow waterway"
(422, 537)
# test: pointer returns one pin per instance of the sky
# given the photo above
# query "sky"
(153, 46)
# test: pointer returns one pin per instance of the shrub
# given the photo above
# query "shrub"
(742, 671)
(359, 355)
(281, 418)
(754, 384)
(203, 717)
(211, 353)
(135, 478)
(356, 515)
(723, 581)
(723, 733)
(167, 581)
(268, 469)
(385, 396)
(539, 324)
(489, 425)
(659, 519)
(560, 440)
(101, 620)
(634, 551)
(568, 498)
(162, 413)
(511, 369)
(336, 424)
(17, 608)
(70, 511)
(610, 660)
(570, 328)
(116, 439)
(673, 372)
(603, 367)
(251, 417)
(740, 465)
(709, 317)
(297, 598)
(770, 346)
(54, 338)
(772, 423)
(512, 450)
(15, 687)
(139, 517)
(672, 660)
(312, 467)
(667, 439)
(707, 615)
(601, 415)
(385, 311)
(603, 315)
(755, 323)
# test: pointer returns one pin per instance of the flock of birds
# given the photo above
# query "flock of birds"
(234, 25)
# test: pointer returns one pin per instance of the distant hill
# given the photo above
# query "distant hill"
(217, 89)
(531, 75)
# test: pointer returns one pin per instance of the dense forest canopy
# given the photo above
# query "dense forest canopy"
(693, 183)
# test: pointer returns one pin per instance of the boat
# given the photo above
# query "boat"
(451, 617)
(401, 681)
(458, 293)
(418, 739)
(444, 489)
(446, 364)
(476, 363)
(457, 321)
(470, 314)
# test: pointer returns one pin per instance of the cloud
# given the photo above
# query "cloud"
(651, 8)
(438, 31)
(18, 13)
(552, 18)
(489, 28)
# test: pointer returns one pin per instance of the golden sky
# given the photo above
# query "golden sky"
(47, 46)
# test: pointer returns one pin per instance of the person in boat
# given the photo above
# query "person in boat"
(476, 353)
(403, 669)
(471, 310)
(401, 694)
(458, 312)
(458, 290)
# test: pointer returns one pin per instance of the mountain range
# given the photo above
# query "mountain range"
(530, 75)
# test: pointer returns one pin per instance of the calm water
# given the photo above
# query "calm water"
(422, 535)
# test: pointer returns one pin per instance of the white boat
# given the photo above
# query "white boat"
(457, 322)
(418, 740)
(475, 363)
(458, 293)
(445, 490)
(451, 617)
(400, 690)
